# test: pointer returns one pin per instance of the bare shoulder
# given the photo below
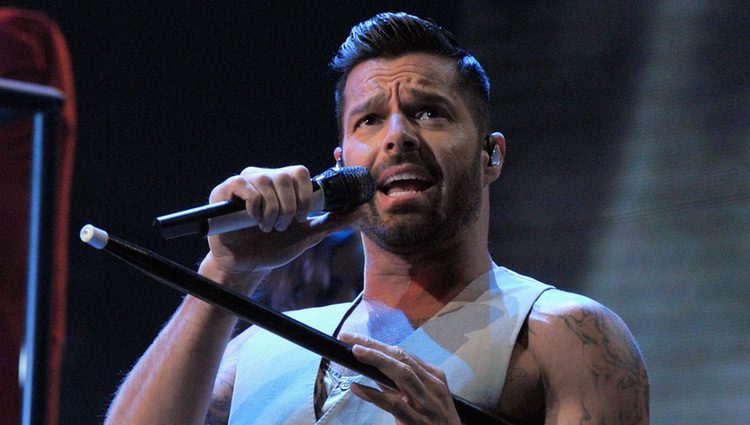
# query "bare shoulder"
(221, 396)
(590, 363)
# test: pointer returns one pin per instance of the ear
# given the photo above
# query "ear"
(338, 156)
(495, 144)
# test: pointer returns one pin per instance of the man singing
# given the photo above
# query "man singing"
(436, 316)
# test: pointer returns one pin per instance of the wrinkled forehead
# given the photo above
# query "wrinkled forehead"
(380, 76)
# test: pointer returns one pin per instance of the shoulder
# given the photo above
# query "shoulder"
(589, 361)
(576, 321)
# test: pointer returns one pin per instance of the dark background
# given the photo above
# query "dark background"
(625, 179)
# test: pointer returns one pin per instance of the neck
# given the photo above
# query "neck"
(421, 283)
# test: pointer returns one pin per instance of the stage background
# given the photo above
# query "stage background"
(626, 176)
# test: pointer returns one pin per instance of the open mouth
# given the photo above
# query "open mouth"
(403, 184)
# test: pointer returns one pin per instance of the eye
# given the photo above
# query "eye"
(429, 114)
(367, 120)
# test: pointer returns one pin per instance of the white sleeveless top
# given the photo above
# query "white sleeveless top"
(470, 339)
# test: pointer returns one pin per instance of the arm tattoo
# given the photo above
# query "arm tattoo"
(218, 411)
(614, 363)
(221, 400)
(585, 417)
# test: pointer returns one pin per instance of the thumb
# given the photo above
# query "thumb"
(334, 221)
(315, 229)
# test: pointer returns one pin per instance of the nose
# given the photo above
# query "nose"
(400, 136)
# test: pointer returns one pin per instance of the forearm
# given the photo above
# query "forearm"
(172, 381)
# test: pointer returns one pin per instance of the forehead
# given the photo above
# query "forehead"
(416, 70)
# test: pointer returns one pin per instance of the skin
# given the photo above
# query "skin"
(575, 362)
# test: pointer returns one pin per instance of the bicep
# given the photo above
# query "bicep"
(221, 396)
(594, 370)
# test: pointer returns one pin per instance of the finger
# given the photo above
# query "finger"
(263, 184)
(393, 403)
(303, 190)
(334, 221)
(284, 186)
(395, 364)
(312, 231)
(431, 377)
(394, 351)
(352, 339)
(239, 187)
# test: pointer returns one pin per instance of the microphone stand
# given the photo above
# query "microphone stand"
(189, 282)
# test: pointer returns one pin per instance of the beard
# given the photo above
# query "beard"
(416, 229)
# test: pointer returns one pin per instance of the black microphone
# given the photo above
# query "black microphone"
(339, 189)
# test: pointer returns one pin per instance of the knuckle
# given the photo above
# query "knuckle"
(226, 188)
(300, 173)
(262, 179)
(396, 404)
(365, 340)
(272, 209)
(284, 180)
(400, 354)
(406, 372)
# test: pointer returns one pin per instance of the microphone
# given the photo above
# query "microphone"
(339, 189)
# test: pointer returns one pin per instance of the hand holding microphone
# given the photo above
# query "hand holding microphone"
(260, 200)
(271, 199)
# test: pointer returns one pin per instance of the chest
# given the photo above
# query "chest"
(471, 340)
(387, 325)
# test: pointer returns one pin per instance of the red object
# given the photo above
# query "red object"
(33, 50)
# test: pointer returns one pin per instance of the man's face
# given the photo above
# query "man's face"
(406, 120)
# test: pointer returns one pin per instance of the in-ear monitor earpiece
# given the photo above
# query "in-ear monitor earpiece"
(493, 150)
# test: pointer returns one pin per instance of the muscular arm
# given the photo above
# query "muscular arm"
(592, 370)
(172, 382)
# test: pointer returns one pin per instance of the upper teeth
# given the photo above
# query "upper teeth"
(401, 176)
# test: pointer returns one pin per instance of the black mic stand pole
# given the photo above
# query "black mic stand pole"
(187, 281)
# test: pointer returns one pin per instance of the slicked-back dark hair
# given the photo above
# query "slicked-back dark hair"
(391, 35)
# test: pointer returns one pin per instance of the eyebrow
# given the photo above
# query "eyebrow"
(428, 97)
(420, 96)
(366, 105)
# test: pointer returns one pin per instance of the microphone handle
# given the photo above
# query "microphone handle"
(336, 189)
(216, 218)
(195, 220)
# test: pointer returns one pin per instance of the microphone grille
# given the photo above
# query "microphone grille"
(346, 188)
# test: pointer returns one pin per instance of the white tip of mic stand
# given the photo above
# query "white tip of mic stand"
(94, 236)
